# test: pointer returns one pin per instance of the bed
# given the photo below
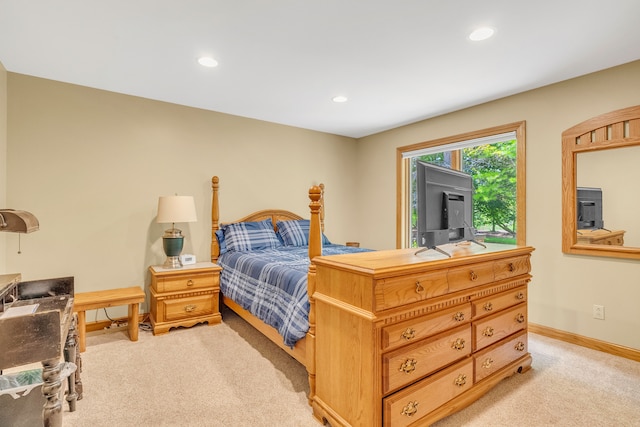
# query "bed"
(252, 260)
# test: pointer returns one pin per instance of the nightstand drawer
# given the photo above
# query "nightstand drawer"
(500, 354)
(494, 328)
(185, 282)
(421, 327)
(409, 405)
(409, 363)
(182, 308)
(495, 303)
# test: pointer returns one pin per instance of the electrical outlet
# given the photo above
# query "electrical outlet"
(598, 311)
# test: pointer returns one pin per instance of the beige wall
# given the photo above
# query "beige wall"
(3, 159)
(91, 164)
(564, 288)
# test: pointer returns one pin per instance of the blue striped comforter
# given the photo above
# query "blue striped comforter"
(272, 285)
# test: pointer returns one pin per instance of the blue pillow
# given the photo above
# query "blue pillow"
(222, 244)
(248, 236)
(296, 233)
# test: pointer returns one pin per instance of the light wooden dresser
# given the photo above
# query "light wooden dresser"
(601, 237)
(184, 296)
(405, 339)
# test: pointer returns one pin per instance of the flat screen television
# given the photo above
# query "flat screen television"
(445, 205)
(589, 209)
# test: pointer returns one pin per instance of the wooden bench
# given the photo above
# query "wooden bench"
(84, 301)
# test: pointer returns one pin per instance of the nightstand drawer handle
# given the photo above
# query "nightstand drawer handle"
(520, 295)
(411, 409)
(458, 344)
(520, 318)
(419, 287)
(189, 308)
(512, 267)
(488, 306)
(520, 346)
(461, 380)
(458, 317)
(473, 276)
(487, 363)
(189, 282)
(408, 366)
(409, 334)
(488, 332)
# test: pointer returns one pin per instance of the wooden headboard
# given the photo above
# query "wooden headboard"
(274, 214)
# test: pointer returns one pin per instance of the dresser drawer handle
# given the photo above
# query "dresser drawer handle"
(520, 318)
(520, 346)
(458, 344)
(409, 334)
(189, 308)
(511, 267)
(488, 331)
(520, 295)
(408, 366)
(473, 276)
(487, 363)
(189, 282)
(461, 380)
(488, 306)
(458, 317)
(411, 409)
(419, 287)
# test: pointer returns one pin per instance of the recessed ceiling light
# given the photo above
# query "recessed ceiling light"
(340, 98)
(207, 61)
(481, 34)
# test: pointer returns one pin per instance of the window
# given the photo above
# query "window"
(495, 158)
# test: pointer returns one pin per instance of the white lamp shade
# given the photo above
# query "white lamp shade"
(176, 209)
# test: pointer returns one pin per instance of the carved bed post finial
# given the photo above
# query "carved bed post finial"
(215, 217)
(315, 249)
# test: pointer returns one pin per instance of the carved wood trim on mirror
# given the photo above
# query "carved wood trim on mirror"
(616, 129)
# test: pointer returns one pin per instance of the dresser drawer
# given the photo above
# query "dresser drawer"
(191, 306)
(495, 303)
(499, 355)
(511, 267)
(184, 282)
(492, 329)
(421, 327)
(410, 363)
(469, 276)
(408, 289)
(409, 405)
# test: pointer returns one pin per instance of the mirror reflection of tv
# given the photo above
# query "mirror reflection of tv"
(445, 205)
(589, 209)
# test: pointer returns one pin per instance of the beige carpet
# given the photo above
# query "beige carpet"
(230, 375)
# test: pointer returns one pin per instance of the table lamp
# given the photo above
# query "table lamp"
(174, 209)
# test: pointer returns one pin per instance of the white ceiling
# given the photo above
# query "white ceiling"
(398, 61)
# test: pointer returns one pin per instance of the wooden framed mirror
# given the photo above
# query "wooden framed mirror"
(602, 154)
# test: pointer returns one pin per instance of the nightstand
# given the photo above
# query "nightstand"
(184, 296)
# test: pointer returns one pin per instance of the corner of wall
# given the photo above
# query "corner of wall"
(3, 159)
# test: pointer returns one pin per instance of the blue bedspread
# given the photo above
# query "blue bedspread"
(272, 285)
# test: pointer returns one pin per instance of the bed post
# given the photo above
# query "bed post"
(315, 249)
(215, 217)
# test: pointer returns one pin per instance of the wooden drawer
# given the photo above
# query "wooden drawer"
(410, 363)
(191, 306)
(495, 303)
(185, 282)
(421, 327)
(492, 329)
(499, 355)
(403, 290)
(511, 267)
(469, 276)
(409, 405)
